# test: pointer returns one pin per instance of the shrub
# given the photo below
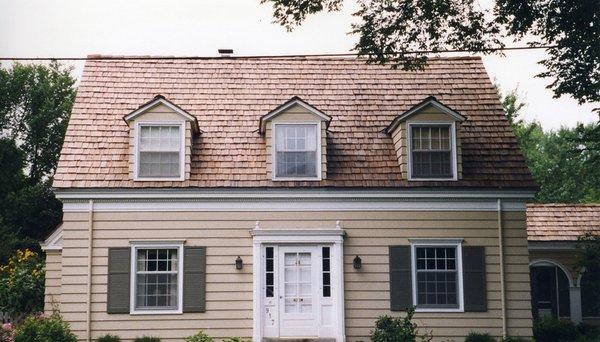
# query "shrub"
(479, 337)
(146, 339)
(394, 329)
(6, 332)
(552, 329)
(40, 328)
(109, 338)
(516, 339)
(22, 284)
(199, 337)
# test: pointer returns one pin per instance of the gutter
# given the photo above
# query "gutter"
(502, 282)
(88, 313)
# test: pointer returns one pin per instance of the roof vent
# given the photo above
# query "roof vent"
(225, 52)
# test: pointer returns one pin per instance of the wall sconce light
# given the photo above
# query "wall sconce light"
(357, 263)
(239, 263)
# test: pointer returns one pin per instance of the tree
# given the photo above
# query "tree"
(565, 166)
(35, 103)
(34, 111)
(399, 32)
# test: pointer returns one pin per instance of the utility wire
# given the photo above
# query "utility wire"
(101, 57)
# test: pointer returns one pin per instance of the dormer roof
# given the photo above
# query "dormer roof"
(428, 101)
(158, 100)
(296, 100)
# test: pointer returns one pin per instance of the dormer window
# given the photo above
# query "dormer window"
(426, 142)
(296, 150)
(431, 151)
(160, 141)
(160, 151)
(296, 145)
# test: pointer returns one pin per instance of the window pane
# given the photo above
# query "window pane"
(159, 164)
(431, 152)
(156, 278)
(159, 151)
(296, 150)
(436, 280)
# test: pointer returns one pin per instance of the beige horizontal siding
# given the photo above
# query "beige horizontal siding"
(53, 281)
(229, 291)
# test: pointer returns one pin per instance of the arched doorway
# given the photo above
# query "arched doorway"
(550, 284)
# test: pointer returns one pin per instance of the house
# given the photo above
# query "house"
(287, 198)
(558, 287)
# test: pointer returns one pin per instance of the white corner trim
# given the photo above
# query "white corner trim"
(155, 103)
(453, 153)
(318, 151)
(136, 156)
(132, 281)
(54, 241)
(414, 243)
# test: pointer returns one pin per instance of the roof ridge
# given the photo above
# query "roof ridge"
(291, 56)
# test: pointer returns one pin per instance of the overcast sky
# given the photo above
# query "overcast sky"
(199, 27)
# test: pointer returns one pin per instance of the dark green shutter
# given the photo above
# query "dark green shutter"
(474, 284)
(119, 267)
(400, 278)
(194, 279)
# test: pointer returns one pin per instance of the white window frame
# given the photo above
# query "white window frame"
(453, 153)
(274, 150)
(133, 279)
(450, 243)
(138, 126)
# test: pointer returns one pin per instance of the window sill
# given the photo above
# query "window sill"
(156, 312)
(432, 179)
(294, 179)
(417, 309)
(177, 179)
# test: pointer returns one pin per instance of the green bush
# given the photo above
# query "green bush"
(479, 337)
(22, 285)
(516, 339)
(146, 339)
(235, 339)
(551, 329)
(199, 337)
(394, 329)
(108, 338)
(40, 328)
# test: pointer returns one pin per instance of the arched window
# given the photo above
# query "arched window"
(590, 294)
(549, 290)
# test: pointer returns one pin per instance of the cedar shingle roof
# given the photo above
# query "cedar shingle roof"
(229, 95)
(561, 222)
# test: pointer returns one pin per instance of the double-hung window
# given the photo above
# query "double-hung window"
(159, 151)
(431, 151)
(157, 278)
(296, 151)
(437, 277)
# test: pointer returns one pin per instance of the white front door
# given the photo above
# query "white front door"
(299, 293)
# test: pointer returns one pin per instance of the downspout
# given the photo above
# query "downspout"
(88, 313)
(501, 255)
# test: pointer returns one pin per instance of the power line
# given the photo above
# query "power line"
(101, 57)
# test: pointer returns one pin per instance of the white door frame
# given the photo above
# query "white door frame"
(332, 237)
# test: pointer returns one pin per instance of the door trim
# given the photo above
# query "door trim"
(332, 237)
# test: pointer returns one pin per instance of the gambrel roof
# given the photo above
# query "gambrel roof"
(228, 96)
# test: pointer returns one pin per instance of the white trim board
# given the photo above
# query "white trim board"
(54, 241)
(123, 205)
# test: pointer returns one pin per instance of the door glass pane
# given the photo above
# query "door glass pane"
(297, 283)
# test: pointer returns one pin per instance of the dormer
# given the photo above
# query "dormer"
(427, 143)
(160, 141)
(296, 144)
